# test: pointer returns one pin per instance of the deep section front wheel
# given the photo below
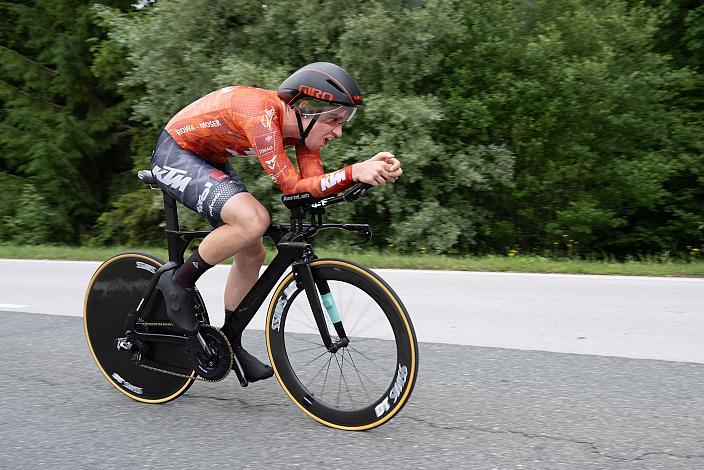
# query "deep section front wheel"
(114, 291)
(361, 385)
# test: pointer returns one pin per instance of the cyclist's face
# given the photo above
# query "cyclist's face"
(323, 132)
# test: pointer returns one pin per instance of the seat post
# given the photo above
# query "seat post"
(173, 240)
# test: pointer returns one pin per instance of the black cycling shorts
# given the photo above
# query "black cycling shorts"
(198, 184)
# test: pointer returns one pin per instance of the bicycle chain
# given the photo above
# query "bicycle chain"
(176, 374)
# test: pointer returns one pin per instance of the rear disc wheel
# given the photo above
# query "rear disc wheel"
(114, 291)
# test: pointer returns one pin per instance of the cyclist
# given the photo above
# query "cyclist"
(190, 161)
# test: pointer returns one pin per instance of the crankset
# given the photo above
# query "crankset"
(208, 353)
(211, 354)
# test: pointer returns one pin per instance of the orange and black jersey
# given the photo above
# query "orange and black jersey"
(246, 121)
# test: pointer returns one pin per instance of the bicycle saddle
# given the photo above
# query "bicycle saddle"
(146, 177)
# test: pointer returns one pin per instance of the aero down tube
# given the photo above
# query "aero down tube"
(303, 272)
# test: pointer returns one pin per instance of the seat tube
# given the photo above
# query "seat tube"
(305, 276)
(172, 239)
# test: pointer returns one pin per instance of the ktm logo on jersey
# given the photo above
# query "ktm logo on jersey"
(315, 93)
(331, 179)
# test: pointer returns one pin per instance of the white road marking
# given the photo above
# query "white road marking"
(11, 306)
(637, 317)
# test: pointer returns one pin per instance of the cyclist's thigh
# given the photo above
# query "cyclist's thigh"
(202, 186)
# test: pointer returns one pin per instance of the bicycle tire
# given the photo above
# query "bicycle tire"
(114, 290)
(352, 286)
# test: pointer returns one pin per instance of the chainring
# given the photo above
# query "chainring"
(220, 363)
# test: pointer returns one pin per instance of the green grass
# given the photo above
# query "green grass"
(375, 259)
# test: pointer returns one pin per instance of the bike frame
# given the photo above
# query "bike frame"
(293, 249)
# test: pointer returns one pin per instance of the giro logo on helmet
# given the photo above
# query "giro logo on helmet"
(315, 93)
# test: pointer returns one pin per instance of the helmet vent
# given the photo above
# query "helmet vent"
(335, 85)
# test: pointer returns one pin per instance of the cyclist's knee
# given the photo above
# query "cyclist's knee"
(255, 222)
(260, 222)
(245, 212)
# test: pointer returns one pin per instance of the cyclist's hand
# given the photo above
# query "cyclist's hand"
(374, 172)
(394, 170)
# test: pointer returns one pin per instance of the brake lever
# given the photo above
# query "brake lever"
(363, 229)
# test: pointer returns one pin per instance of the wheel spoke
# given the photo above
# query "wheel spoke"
(304, 340)
(305, 319)
(319, 371)
(342, 379)
(365, 357)
(322, 392)
(308, 349)
(366, 314)
(353, 328)
(361, 371)
(315, 359)
(339, 382)
(358, 374)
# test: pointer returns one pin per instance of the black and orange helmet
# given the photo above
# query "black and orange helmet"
(322, 90)
(321, 81)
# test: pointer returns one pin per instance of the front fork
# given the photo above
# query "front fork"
(304, 276)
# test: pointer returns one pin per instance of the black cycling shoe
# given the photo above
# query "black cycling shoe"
(180, 303)
(253, 368)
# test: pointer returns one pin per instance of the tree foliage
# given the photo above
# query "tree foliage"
(579, 95)
(60, 130)
(519, 123)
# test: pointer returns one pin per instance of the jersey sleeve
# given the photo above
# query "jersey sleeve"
(308, 162)
(313, 177)
(267, 144)
(318, 183)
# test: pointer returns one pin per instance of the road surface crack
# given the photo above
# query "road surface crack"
(434, 425)
(593, 445)
(211, 398)
(243, 403)
(669, 454)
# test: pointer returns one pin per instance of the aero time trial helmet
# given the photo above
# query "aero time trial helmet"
(323, 91)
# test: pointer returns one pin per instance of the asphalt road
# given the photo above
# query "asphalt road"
(473, 407)
(516, 371)
(635, 317)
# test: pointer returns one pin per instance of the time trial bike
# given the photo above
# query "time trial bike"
(339, 339)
